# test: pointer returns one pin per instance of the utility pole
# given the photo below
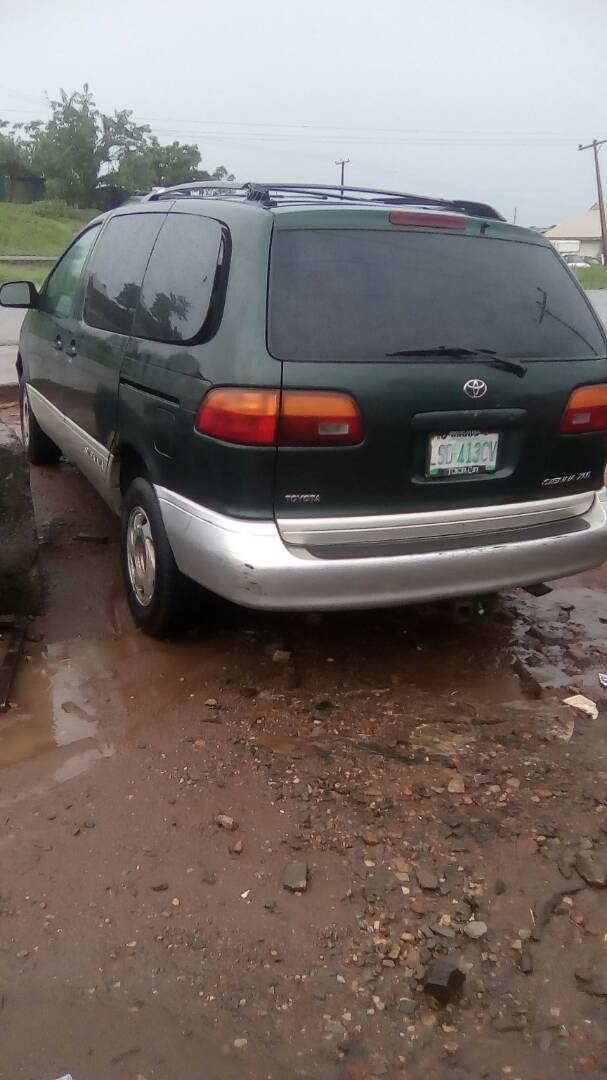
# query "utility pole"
(346, 161)
(599, 187)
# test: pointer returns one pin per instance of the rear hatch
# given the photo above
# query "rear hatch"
(478, 426)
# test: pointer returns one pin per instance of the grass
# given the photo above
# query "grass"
(592, 277)
(35, 272)
(24, 230)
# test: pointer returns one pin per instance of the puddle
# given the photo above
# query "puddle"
(80, 763)
(51, 708)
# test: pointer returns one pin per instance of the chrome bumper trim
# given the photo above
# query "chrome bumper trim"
(314, 532)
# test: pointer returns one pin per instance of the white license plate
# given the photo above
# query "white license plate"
(463, 453)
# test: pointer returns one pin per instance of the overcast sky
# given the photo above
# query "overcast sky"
(480, 98)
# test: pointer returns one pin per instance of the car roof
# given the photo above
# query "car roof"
(273, 196)
(311, 203)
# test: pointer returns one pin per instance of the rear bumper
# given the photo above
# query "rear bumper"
(249, 563)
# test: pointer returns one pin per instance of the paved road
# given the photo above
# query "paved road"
(10, 324)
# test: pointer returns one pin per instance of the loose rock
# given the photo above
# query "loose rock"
(371, 837)
(444, 980)
(281, 656)
(426, 877)
(225, 822)
(591, 869)
(545, 906)
(475, 929)
(295, 877)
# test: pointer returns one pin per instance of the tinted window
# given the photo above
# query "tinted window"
(358, 295)
(179, 280)
(117, 269)
(61, 286)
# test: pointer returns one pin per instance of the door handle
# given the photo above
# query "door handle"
(72, 349)
(58, 343)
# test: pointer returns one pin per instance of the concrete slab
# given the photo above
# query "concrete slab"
(10, 325)
(8, 372)
(10, 328)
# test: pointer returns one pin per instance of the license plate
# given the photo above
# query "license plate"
(462, 453)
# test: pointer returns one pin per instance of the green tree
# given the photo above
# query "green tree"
(78, 141)
(156, 165)
(14, 159)
(81, 146)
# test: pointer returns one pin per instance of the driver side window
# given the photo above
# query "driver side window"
(58, 296)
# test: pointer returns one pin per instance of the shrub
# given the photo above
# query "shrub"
(55, 208)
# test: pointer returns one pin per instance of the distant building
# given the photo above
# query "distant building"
(20, 189)
(581, 235)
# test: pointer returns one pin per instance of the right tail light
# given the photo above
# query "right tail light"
(586, 410)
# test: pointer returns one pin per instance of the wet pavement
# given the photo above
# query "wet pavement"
(439, 800)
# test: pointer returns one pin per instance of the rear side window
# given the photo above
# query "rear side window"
(58, 296)
(116, 271)
(179, 282)
(361, 294)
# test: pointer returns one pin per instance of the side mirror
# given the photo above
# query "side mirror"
(19, 294)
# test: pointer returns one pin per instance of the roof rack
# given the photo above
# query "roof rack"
(272, 195)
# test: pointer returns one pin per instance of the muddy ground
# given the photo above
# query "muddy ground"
(423, 771)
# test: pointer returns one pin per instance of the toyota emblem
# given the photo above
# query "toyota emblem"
(475, 388)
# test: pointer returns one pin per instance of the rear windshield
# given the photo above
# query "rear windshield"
(355, 294)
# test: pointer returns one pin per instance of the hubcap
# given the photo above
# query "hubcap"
(141, 556)
(26, 420)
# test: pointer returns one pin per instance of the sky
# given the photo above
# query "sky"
(484, 99)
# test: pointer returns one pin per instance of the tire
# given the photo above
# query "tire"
(154, 585)
(39, 449)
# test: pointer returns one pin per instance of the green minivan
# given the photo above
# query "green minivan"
(307, 398)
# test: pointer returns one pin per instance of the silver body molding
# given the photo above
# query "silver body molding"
(250, 563)
(92, 458)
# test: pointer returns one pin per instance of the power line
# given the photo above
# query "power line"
(277, 131)
(342, 164)
(595, 144)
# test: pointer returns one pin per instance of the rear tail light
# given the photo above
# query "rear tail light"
(255, 417)
(239, 415)
(586, 410)
(428, 221)
(315, 418)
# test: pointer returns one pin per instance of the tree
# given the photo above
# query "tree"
(13, 155)
(79, 147)
(156, 165)
(77, 141)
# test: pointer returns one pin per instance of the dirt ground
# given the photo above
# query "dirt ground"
(423, 772)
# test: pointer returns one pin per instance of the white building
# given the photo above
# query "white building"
(581, 235)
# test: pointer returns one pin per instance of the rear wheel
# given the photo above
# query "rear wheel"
(39, 449)
(154, 585)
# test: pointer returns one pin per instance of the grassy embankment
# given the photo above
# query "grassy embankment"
(592, 277)
(43, 229)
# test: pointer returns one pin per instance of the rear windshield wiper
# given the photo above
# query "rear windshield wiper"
(457, 352)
